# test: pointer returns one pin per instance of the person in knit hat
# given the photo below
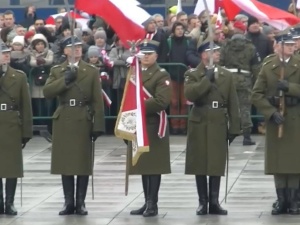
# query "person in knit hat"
(100, 41)
(19, 54)
(28, 36)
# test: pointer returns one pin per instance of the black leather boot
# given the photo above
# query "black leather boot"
(201, 182)
(280, 206)
(10, 190)
(81, 189)
(247, 138)
(1, 198)
(214, 189)
(68, 187)
(145, 182)
(293, 204)
(152, 198)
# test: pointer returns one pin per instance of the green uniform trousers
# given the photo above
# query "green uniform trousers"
(287, 181)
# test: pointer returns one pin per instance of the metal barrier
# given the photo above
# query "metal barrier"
(178, 109)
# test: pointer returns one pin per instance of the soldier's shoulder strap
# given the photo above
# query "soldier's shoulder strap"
(20, 72)
(268, 59)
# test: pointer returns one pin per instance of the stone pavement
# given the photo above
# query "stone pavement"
(251, 193)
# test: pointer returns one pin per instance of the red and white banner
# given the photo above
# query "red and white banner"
(125, 17)
(219, 23)
(213, 6)
(106, 99)
(78, 18)
(131, 120)
(273, 16)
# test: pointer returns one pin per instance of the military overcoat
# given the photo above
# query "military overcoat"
(72, 125)
(157, 161)
(207, 126)
(14, 124)
(281, 154)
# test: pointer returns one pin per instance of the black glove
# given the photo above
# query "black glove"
(277, 118)
(210, 74)
(283, 85)
(231, 137)
(24, 142)
(95, 135)
(70, 75)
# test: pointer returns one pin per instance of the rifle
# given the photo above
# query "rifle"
(281, 93)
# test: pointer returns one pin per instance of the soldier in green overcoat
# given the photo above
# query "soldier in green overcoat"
(215, 106)
(15, 127)
(78, 120)
(156, 162)
(281, 154)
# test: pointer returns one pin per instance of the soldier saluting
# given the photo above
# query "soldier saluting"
(78, 119)
(15, 127)
(215, 105)
(282, 154)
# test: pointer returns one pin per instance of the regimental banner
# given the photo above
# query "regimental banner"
(131, 120)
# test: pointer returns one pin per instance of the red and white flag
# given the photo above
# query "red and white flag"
(219, 23)
(273, 16)
(78, 18)
(298, 4)
(213, 6)
(131, 120)
(124, 16)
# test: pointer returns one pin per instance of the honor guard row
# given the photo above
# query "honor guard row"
(214, 122)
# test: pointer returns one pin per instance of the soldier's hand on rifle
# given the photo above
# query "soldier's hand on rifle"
(277, 118)
(231, 137)
(210, 74)
(283, 85)
(24, 142)
(70, 75)
(96, 134)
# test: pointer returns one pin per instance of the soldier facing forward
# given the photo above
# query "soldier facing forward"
(78, 119)
(157, 161)
(282, 154)
(215, 104)
(15, 127)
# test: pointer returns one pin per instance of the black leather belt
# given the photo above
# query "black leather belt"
(213, 105)
(8, 107)
(74, 103)
(289, 101)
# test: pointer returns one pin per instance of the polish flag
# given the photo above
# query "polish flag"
(78, 18)
(125, 17)
(179, 6)
(213, 6)
(219, 23)
(265, 13)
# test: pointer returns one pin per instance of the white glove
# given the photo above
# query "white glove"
(140, 55)
(129, 60)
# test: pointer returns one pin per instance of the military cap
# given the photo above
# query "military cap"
(4, 47)
(67, 42)
(148, 46)
(205, 46)
(286, 37)
(295, 32)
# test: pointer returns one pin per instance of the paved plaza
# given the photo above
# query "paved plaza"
(251, 193)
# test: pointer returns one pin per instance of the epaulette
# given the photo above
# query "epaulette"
(269, 56)
(192, 69)
(162, 70)
(56, 66)
(20, 71)
(91, 65)
(265, 63)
